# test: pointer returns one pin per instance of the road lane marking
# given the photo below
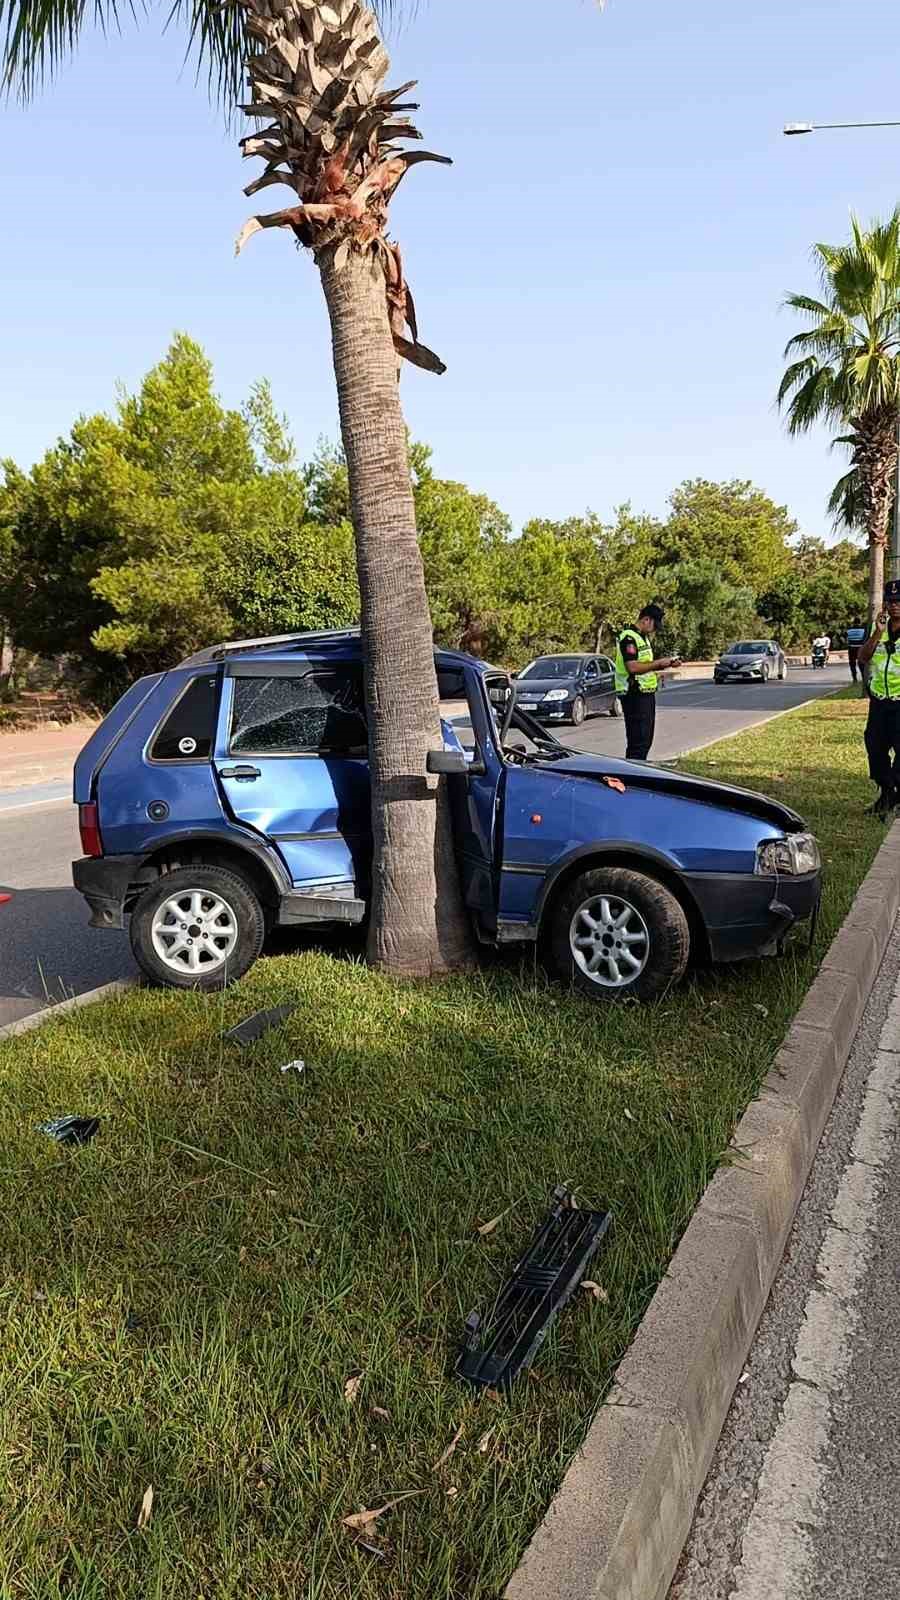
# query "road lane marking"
(29, 805)
(777, 1554)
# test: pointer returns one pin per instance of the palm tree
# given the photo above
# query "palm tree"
(847, 371)
(336, 137)
(845, 504)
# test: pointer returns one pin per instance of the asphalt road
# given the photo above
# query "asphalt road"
(48, 952)
(802, 1501)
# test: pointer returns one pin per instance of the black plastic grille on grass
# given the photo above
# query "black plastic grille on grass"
(542, 1280)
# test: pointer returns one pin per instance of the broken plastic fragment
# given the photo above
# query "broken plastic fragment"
(252, 1028)
(542, 1280)
(71, 1130)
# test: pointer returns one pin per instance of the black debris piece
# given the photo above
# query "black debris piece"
(253, 1028)
(496, 1349)
(71, 1130)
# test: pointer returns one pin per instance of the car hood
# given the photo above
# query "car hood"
(664, 781)
(535, 687)
(742, 660)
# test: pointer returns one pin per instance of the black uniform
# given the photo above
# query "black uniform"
(639, 711)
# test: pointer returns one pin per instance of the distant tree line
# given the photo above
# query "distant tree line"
(176, 521)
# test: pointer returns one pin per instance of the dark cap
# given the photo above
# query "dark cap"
(656, 613)
(892, 590)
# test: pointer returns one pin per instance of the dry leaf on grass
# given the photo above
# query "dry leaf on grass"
(629, 1114)
(763, 1010)
(364, 1519)
(449, 1450)
(484, 1442)
(452, 1493)
(488, 1227)
(146, 1510)
(594, 1289)
(381, 1414)
(351, 1389)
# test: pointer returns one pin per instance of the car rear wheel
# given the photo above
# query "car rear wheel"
(577, 711)
(619, 935)
(197, 928)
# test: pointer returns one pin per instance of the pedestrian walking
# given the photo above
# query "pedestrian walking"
(856, 635)
(637, 681)
(880, 655)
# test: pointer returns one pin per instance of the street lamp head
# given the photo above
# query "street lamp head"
(798, 127)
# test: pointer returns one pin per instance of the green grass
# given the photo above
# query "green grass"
(184, 1299)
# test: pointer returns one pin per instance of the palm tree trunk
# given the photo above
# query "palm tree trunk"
(418, 921)
(876, 458)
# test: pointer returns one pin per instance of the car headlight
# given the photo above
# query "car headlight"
(557, 694)
(796, 853)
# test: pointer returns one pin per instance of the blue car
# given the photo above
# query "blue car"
(231, 795)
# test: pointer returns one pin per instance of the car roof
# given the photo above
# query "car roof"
(326, 644)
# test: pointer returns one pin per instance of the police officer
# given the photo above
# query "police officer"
(637, 681)
(881, 655)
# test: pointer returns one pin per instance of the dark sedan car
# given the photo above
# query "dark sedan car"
(756, 659)
(568, 688)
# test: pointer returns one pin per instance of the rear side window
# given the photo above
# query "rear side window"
(187, 732)
(316, 713)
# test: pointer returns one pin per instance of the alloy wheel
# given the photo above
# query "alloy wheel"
(609, 941)
(194, 931)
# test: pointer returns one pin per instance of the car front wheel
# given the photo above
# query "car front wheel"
(577, 711)
(197, 928)
(617, 934)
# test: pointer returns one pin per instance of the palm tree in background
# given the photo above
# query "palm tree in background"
(329, 129)
(846, 370)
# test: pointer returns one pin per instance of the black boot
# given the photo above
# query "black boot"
(881, 807)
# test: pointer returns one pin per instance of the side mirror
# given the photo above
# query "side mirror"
(514, 674)
(446, 763)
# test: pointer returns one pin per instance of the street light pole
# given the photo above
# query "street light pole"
(791, 130)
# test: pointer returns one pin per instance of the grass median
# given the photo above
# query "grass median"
(189, 1301)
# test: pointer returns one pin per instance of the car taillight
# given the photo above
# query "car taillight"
(89, 828)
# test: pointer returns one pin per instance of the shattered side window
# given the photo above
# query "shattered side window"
(316, 713)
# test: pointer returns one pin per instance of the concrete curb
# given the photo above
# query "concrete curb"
(89, 998)
(616, 1529)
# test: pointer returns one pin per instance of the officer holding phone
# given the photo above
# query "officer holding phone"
(881, 655)
(637, 681)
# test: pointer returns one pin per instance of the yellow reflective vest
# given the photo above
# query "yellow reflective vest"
(884, 669)
(647, 682)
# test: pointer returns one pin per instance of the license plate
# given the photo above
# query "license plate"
(528, 705)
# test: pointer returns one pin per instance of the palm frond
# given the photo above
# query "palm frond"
(39, 35)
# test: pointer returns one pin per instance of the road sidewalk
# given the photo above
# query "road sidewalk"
(40, 755)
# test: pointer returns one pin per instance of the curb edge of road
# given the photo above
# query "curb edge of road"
(618, 1523)
(90, 997)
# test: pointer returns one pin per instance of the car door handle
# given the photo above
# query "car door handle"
(243, 774)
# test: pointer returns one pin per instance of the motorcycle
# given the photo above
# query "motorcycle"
(819, 655)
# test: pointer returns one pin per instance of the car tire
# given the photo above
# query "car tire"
(225, 910)
(765, 674)
(658, 937)
(615, 709)
(578, 711)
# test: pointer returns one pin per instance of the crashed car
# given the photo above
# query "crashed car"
(231, 795)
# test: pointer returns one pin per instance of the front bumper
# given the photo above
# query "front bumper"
(105, 881)
(722, 674)
(746, 915)
(551, 711)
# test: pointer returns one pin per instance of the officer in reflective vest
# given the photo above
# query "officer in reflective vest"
(637, 681)
(881, 655)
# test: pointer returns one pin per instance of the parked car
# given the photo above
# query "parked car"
(568, 688)
(759, 659)
(231, 795)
